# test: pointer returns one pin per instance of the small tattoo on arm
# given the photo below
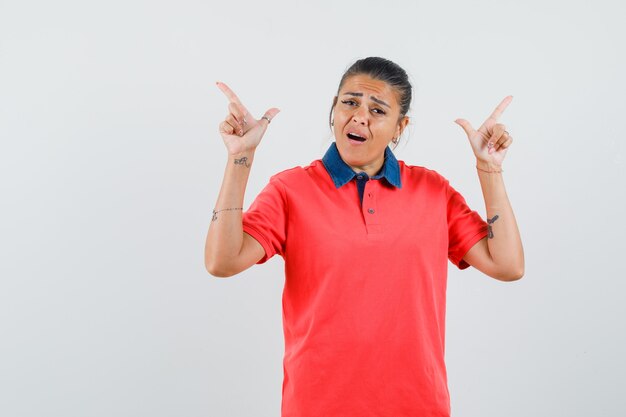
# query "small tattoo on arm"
(490, 221)
(242, 161)
(226, 209)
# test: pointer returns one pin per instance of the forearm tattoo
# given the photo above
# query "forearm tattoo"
(490, 221)
(226, 209)
(242, 161)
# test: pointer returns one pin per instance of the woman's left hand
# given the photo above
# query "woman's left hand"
(491, 141)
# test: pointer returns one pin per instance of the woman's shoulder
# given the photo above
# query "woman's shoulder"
(420, 173)
(298, 173)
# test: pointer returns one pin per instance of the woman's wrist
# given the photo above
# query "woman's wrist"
(486, 166)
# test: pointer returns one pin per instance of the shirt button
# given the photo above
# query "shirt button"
(359, 177)
(370, 211)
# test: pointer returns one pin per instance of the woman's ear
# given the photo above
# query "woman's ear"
(402, 125)
(332, 109)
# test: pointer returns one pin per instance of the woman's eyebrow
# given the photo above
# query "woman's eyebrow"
(376, 100)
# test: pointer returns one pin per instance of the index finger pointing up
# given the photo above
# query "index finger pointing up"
(232, 97)
(500, 109)
(230, 94)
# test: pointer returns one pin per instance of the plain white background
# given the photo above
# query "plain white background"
(111, 163)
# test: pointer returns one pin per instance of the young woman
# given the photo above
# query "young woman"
(366, 239)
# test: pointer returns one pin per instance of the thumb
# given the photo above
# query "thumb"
(270, 114)
(467, 127)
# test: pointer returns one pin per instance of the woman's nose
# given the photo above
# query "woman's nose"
(360, 115)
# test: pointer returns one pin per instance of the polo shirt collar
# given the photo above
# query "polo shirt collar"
(341, 173)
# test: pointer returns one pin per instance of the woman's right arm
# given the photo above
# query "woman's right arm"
(228, 249)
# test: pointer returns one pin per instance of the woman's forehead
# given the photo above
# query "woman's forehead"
(366, 85)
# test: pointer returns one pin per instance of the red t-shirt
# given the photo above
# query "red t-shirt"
(364, 300)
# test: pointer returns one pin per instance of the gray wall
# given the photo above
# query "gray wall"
(111, 162)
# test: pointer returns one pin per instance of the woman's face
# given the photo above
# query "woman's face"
(365, 121)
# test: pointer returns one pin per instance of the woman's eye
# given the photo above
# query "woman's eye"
(354, 103)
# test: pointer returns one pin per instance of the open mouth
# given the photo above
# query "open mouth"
(356, 137)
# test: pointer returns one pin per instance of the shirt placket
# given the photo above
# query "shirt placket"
(369, 208)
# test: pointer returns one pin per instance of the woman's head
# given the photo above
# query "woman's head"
(372, 101)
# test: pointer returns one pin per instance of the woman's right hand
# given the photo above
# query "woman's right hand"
(240, 131)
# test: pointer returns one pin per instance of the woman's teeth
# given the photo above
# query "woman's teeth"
(356, 137)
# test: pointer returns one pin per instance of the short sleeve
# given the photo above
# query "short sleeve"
(465, 227)
(266, 219)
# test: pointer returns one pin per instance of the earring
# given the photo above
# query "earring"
(332, 122)
(395, 141)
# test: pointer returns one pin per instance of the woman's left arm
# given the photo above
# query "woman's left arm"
(499, 255)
